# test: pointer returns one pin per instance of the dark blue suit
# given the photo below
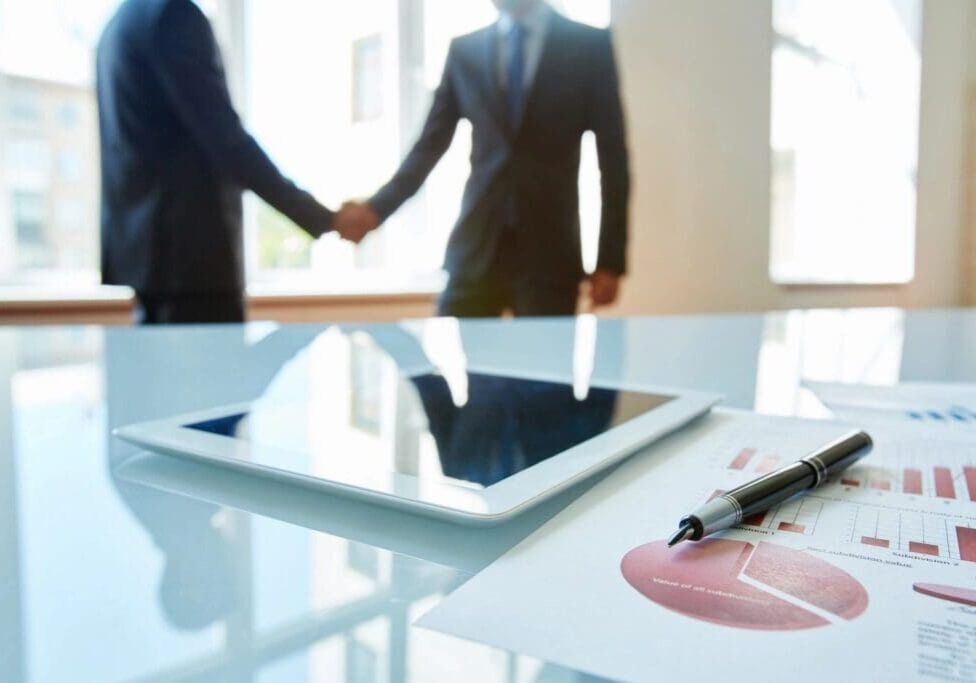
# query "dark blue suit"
(175, 159)
(531, 166)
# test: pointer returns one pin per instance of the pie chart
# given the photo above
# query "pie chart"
(964, 596)
(761, 586)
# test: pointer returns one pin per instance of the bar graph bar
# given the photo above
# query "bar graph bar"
(742, 459)
(850, 482)
(789, 526)
(881, 485)
(944, 488)
(964, 412)
(768, 464)
(967, 543)
(970, 474)
(879, 542)
(755, 520)
(923, 548)
(913, 481)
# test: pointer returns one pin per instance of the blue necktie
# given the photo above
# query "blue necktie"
(516, 74)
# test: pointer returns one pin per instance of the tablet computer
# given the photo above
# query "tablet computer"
(379, 418)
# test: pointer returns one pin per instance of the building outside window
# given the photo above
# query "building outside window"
(29, 220)
(49, 142)
(844, 138)
(24, 108)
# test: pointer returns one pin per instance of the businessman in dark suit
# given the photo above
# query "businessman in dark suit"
(175, 159)
(530, 85)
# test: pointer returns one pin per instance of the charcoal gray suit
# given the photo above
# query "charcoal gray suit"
(175, 159)
(516, 243)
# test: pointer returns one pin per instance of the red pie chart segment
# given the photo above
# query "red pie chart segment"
(808, 578)
(705, 581)
(964, 596)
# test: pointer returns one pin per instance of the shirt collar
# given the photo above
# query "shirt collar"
(535, 21)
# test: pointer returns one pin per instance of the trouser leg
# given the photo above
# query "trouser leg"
(152, 309)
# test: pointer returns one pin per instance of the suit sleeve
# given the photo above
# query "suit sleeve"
(435, 138)
(185, 57)
(607, 123)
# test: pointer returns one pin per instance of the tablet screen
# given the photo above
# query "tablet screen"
(348, 403)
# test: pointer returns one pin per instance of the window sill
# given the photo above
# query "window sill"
(358, 298)
(834, 284)
(298, 288)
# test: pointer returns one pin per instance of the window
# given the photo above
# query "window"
(844, 138)
(389, 55)
(69, 166)
(49, 140)
(24, 108)
(367, 72)
(367, 79)
(28, 161)
(69, 115)
(28, 219)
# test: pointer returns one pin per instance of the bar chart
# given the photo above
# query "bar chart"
(911, 496)
(916, 477)
(913, 532)
(954, 414)
(934, 481)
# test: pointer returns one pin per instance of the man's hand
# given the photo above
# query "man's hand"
(355, 220)
(604, 288)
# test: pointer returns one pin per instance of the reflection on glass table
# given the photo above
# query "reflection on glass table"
(105, 578)
(263, 600)
(505, 425)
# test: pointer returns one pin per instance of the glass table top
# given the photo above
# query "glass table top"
(117, 564)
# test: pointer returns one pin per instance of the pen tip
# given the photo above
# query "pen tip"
(683, 533)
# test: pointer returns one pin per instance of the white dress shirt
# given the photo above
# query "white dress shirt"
(536, 23)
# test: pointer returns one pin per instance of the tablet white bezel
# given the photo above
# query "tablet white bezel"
(438, 498)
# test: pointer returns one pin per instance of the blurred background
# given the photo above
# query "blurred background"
(786, 153)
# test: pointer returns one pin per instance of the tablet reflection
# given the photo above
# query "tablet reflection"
(363, 402)
(507, 425)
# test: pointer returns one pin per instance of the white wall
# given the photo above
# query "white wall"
(696, 77)
(970, 282)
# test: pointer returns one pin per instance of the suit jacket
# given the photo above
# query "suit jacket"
(534, 163)
(175, 157)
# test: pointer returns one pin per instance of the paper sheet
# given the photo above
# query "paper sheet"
(929, 408)
(871, 578)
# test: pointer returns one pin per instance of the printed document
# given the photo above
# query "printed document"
(871, 577)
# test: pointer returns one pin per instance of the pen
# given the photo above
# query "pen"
(761, 494)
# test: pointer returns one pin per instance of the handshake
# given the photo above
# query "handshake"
(355, 220)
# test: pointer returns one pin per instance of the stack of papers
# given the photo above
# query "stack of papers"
(928, 409)
(872, 576)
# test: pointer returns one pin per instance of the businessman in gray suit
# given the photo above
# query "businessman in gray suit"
(531, 85)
